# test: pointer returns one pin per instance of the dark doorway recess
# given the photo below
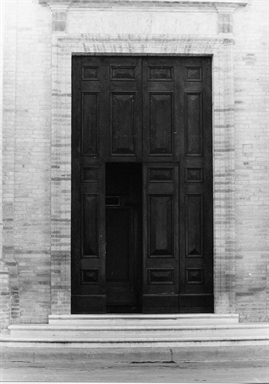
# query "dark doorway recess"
(123, 236)
(142, 191)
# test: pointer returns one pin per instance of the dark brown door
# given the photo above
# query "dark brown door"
(132, 113)
(178, 218)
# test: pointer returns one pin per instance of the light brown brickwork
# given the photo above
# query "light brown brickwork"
(39, 43)
(26, 159)
(251, 144)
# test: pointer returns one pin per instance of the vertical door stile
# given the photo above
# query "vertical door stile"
(179, 145)
(208, 181)
(88, 186)
(196, 258)
(182, 181)
(160, 179)
(76, 187)
(144, 181)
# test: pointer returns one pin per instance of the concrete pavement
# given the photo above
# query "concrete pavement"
(240, 364)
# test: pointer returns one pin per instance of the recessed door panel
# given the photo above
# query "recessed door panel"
(90, 225)
(123, 124)
(193, 125)
(90, 123)
(161, 225)
(161, 124)
(194, 227)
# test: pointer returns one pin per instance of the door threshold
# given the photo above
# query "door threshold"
(123, 309)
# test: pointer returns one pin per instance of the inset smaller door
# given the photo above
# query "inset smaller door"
(123, 236)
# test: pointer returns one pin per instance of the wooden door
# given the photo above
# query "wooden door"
(178, 217)
(88, 188)
(196, 188)
(106, 127)
(154, 111)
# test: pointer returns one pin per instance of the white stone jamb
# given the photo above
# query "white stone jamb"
(60, 175)
(223, 132)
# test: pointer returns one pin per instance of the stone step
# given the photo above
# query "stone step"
(142, 331)
(143, 319)
(123, 330)
(124, 342)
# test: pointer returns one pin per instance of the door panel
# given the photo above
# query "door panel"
(196, 190)
(88, 189)
(160, 124)
(124, 87)
(160, 221)
(194, 225)
(193, 124)
(90, 224)
(123, 120)
(90, 129)
(160, 110)
(160, 225)
(88, 248)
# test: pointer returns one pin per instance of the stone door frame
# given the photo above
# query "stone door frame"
(221, 50)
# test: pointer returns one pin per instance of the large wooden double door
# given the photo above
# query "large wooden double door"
(142, 220)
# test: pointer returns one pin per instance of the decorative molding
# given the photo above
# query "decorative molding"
(58, 17)
(225, 17)
(225, 8)
(146, 3)
(225, 22)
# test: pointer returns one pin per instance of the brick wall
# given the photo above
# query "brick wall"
(38, 43)
(251, 144)
(26, 159)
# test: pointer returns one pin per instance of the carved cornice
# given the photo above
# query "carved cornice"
(224, 9)
(147, 3)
